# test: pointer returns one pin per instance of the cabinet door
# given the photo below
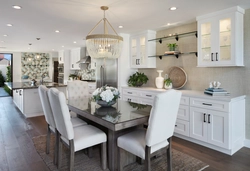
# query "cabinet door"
(15, 97)
(74, 58)
(21, 100)
(198, 124)
(218, 128)
(141, 49)
(220, 40)
(130, 99)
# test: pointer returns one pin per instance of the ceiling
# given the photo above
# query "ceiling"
(75, 18)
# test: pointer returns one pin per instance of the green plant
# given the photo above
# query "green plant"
(6, 88)
(137, 79)
(8, 74)
(73, 76)
(137, 105)
(172, 46)
(2, 80)
(167, 82)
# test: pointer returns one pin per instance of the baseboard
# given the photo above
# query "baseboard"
(247, 143)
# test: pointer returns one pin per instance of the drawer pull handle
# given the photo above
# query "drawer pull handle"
(129, 92)
(204, 117)
(207, 104)
(149, 95)
(175, 125)
(209, 118)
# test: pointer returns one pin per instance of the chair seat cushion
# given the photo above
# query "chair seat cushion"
(77, 122)
(134, 143)
(87, 136)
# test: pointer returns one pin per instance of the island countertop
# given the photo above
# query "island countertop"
(27, 85)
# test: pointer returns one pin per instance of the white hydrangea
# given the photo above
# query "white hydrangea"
(107, 95)
(115, 91)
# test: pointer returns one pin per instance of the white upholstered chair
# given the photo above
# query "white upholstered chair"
(143, 143)
(43, 94)
(75, 138)
(77, 89)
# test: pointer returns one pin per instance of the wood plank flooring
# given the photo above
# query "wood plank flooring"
(17, 152)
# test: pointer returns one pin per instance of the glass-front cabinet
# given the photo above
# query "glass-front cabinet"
(140, 49)
(220, 38)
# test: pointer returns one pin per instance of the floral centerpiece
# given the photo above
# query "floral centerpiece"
(106, 96)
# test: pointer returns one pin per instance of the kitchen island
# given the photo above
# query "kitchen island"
(26, 96)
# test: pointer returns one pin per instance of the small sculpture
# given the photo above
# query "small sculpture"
(214, 84)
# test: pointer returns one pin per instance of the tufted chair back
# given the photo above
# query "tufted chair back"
(77, 90)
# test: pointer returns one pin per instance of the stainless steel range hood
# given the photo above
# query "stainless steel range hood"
(85, 60)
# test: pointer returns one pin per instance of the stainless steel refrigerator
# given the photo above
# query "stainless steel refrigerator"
(106, 72)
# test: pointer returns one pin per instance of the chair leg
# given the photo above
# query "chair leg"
(104, 155)
(147, 158)
(169, 154)
(48, 139)
(71, 155)
(59, 154)
(56, 152)
(90, 152)
(120, 160)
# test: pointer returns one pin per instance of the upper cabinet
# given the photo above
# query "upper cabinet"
(75, 55)
(141, 48)
(220, 38)
(61, 56)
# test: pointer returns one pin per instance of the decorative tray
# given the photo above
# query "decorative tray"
(178, 77)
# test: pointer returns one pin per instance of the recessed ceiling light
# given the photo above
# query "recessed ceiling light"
(53, 49)
(5, 35)
(62, 46)
(168, 24)
(57, 31)
(16, 7)
(9, 25)
(2, 41)
(74, 42)
(28, 48)
(173, 8)
(120, 26)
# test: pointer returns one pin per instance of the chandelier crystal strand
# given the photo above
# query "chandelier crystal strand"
(104, 45)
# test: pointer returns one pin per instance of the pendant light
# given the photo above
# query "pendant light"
(104, 45)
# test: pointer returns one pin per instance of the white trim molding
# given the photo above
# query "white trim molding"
(247, 143)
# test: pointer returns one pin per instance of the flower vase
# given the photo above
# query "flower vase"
(159, 80)
(105, 104)
(168, 86)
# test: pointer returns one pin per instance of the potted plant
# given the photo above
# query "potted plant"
(72, 77)
(168, 83)
(172, 46)
(137, 79)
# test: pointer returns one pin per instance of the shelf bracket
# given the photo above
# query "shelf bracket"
(160, 41)
(196, 35)
(160, 57)
(176, 38)
(196, 54)
(177, 56)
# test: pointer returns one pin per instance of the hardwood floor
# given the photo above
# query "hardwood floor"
(17, 152)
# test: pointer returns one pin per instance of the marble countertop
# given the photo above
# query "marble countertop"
(27, 85)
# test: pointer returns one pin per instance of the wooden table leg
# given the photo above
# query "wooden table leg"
(112, 151)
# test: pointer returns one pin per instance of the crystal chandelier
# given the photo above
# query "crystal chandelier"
(104, 45)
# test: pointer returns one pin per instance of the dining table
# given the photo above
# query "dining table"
(115, 120)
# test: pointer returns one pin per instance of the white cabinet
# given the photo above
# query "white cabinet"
(210, 126)
(182, 122)
(93, 63)
(75, 56)
(220, 38)
(61, 56)
(18, 98)
(141, 49)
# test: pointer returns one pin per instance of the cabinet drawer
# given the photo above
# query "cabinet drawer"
(147, 95)
(146, 101)
(182, 127)
(130, 92)
(130, 99)
(210, 104)
(184, 100)
(183, 113)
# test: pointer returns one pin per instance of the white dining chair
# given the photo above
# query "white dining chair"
(43, 94)
(145, 142)
(77, 89)
(75, 138)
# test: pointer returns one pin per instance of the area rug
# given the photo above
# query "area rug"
(181, 161)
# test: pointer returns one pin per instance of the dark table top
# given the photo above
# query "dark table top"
(121, 115)
(27, 85)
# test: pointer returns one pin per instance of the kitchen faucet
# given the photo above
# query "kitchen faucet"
(43, 76)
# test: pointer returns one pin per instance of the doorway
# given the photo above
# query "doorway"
(55, 75)
(6, 70)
